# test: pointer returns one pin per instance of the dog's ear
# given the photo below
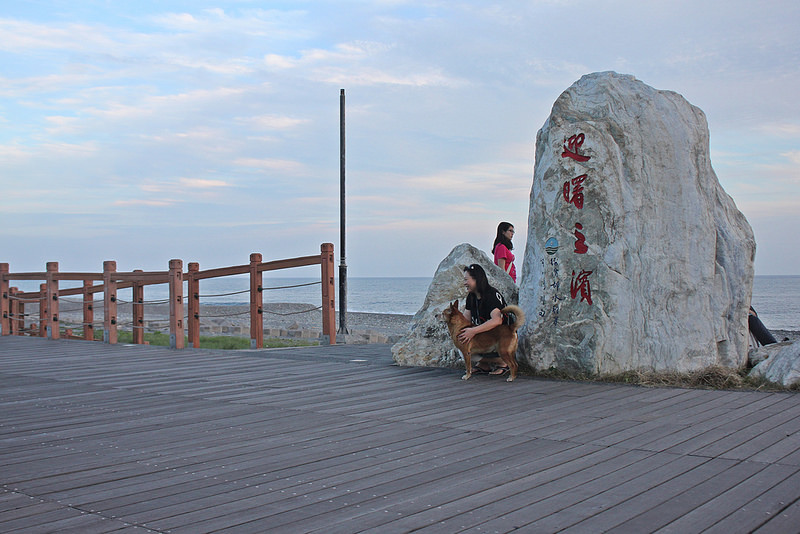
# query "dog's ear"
(454, 305)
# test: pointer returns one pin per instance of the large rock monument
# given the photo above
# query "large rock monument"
(428, 341)
(636, 257)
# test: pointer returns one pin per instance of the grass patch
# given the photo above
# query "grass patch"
(714, 377)
(161, 339)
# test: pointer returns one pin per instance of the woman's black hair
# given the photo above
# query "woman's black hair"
(501, 238)
(479, 275)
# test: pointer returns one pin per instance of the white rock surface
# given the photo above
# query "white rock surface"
(780, 363)
(670, 256)
(428, 342)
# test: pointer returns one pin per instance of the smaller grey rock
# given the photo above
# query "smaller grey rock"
(428, 342)
(780, 363)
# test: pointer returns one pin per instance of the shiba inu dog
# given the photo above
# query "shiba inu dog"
(502, 339)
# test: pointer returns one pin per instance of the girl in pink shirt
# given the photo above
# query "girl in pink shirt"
(502, 249)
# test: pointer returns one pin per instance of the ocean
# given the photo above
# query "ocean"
(775, 298)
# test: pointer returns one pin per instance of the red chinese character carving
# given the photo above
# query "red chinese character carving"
(571, 147)
(577, 191)
(580, 240)
(581, 283)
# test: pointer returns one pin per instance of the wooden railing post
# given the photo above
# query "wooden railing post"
(19, 328)
(176, 335)
(109, 302)
(328, 293)
(44, 311)
(53, 328)
(5, 302)
(13, 313)
(137, 311)
(88, 311)
(193, 305)
(256, 303)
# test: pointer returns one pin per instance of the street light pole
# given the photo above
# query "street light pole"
(342, 264)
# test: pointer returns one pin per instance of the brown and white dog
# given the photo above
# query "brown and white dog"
(502, 339)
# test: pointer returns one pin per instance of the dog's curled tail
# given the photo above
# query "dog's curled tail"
(519, 315)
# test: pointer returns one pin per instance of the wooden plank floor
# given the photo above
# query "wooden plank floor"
(99, 438)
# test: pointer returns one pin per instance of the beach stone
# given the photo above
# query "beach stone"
(779, 363)
(756, 355)
(376, 338)
(636, 258)
(427, 342)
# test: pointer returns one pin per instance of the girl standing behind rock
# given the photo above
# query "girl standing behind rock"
(502, 249)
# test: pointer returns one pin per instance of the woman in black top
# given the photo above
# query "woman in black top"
(483, 309)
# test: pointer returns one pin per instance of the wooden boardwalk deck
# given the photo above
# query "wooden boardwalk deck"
(99, 438)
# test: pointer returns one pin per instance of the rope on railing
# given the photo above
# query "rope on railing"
(216, 316)
(293, 313)
(65, 310)
(224, 294)
(119, 301)
(12, 297)
(144, 302)
(28, 330)
(296, 285)
(81, 324)
(263, 289)
(66, 299)
(222, 315)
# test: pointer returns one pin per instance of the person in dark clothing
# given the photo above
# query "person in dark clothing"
(760, 332)
(484, 305)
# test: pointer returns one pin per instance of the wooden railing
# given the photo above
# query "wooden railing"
(12, 301)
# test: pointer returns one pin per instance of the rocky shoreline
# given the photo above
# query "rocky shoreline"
(281, 320)
(786, 335)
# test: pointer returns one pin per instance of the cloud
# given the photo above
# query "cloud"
(143, 202)
(236, 67)
(182, 185)
(276, 61)
(273, 24)
(779, 129)
(353, 64)
(342, 52)
(793, 156)
(165, 104)
(22, 36)
(491, 179)
(199, 183)
(281, 165)
(13, 151)
(191, 136)
(368, 76)
(62, 125)
(272, 122)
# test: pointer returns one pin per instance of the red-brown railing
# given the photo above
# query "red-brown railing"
(12, 301)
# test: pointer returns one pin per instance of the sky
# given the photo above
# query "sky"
(141, 131)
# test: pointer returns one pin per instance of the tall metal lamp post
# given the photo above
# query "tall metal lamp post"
(342, 264)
